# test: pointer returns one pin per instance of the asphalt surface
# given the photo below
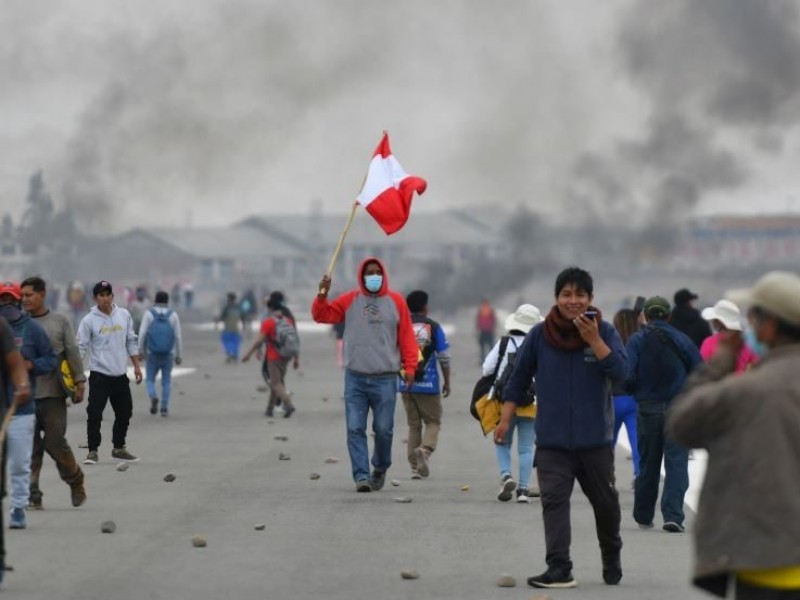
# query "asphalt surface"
(321, 539)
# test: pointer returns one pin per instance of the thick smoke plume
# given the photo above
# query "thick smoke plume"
(722, 81)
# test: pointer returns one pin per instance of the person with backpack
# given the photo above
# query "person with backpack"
(279, 333)
(660, 358)
(422, 398)
(500, 364)
(161, 345)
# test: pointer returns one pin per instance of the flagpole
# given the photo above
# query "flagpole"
(338, 248)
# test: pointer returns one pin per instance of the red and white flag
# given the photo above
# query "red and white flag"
(388, 189)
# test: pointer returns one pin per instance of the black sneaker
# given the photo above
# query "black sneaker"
(612, 570)
(377, 480)
(507, 487)
(287, 411)
(35, 502)
(553, 579)
(363, 486)
(164, 412)
(523, 496)
(153, 406)
(673, 527)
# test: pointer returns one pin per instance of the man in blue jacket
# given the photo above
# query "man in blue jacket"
(37, 352)
(660, 360)
(575, 357)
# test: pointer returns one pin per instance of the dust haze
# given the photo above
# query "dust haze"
(202, 113)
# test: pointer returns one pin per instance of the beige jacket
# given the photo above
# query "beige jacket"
(748, 516)
(62, 337)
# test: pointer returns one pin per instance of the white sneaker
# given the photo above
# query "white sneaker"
(523, 496)
(415, 474)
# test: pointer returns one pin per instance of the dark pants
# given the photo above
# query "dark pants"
(50, 436)
(654, 445)
(557, 471)
(103, 388)
(746, 591)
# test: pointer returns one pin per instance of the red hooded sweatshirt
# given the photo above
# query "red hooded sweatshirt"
(378, 335)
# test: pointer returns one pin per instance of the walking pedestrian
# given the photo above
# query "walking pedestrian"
(748, 518)
(485, 324)
(279, 333)
(231, 319)
(161, 346)
(107, 335)
(14, 392)
(687, 319)
(575, 356)
(626, 321)
(501, 360)
(51, 405)
(660, 358)
(37, 353)
(422, 398)
(379, 339)
(726, 321)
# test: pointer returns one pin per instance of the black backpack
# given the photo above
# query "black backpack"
(485, 383)
(502, 381)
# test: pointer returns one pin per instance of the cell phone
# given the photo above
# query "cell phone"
(638, 306)
(590, 314)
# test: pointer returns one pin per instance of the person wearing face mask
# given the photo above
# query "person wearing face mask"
(37, 352)
(576, 357)
(748, 518)
(379, 339)
(726, 320)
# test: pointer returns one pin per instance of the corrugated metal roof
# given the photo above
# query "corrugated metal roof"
(221, 242)
(440, 228)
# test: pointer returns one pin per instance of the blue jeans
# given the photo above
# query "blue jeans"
(625, 412)
(19, 449)
(231, 341)
(156, 363)
(654, 445)
(526, 431)
(362, 392)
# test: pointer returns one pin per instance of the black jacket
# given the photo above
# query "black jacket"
(688, 320)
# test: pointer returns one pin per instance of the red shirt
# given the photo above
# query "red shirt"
(268, 331)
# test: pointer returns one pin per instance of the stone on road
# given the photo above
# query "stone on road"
(108, 527)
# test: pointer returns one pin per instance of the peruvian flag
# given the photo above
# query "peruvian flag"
(387, 191)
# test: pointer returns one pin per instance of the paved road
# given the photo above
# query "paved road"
(321, 540)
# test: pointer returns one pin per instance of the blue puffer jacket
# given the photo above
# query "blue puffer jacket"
(575, 409)
(34, 345)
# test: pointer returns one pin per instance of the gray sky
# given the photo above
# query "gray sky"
(178, 111)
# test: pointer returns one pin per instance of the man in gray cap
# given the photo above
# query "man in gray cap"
(660, 359)
(748, 519)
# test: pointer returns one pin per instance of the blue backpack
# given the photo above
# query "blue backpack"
(160, 335)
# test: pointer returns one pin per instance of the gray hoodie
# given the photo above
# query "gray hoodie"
(110, 338)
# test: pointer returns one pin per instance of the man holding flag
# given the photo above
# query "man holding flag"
(378, 339)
